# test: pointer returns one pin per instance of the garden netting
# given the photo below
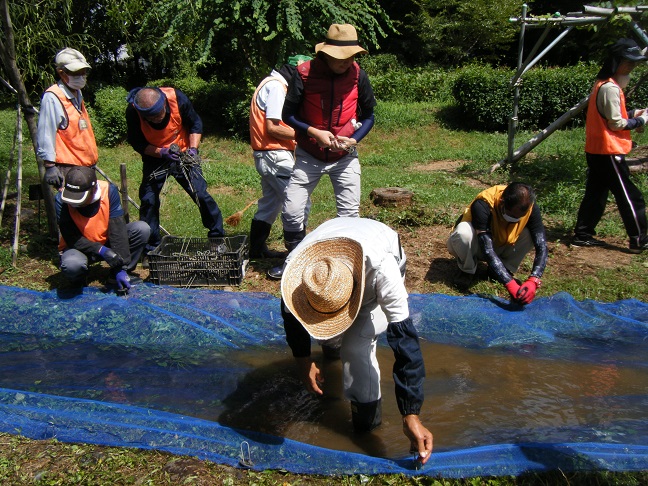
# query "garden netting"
(98, 368)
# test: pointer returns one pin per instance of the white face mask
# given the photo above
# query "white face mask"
(507, 218)
(510, 219)
(76, 82)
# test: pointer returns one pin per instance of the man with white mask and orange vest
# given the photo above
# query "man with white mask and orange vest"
(163, 127)
(607, 141)
(500, 227)
(65, 137)
(91, 220)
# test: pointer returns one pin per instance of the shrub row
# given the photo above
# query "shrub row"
(485, 94)
(482, 93)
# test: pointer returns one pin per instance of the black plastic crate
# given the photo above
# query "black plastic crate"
(197, 262)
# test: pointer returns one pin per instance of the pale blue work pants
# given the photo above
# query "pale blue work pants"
(344, 175)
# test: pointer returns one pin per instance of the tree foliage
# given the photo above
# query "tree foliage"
(231, 37)
(451, 32)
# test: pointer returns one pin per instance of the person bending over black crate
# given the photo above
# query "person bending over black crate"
(166, 130)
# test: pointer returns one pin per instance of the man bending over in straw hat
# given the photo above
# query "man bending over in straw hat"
(330, 105)
(344, 285)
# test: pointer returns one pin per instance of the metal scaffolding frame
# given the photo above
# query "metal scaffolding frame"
(589, 16)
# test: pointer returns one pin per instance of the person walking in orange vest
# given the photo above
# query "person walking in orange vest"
(607, 142)
(500, 227)
(91, 220)
(65, 137)
(158, 120)
(273, 143)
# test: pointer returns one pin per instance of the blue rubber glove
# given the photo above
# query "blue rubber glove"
(53, 176)
(112, 258)
(123, 280)
(192, 152)
(167, 154)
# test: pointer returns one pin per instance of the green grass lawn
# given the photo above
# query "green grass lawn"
(406, 140)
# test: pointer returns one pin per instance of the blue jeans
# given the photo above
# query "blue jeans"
(153, 180)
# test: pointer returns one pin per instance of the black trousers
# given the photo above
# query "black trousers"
(610, 173)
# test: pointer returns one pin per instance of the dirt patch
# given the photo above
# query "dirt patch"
(435, 165)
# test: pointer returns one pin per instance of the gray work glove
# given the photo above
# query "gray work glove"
(53, 176)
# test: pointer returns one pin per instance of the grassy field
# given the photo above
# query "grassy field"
(413, 146)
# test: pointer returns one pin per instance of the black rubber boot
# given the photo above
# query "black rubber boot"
(259, 232)
(366, 416)
(291, 240)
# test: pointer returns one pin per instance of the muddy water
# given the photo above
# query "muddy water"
(473, 398)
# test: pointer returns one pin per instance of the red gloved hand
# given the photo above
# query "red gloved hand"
(527, 291)
(513, 288)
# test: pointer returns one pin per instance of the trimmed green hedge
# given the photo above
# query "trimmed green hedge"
(107, 115)
(485, 95)
(481, 93)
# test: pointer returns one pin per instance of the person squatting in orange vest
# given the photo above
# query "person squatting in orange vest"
(500, 227)
(92, 225)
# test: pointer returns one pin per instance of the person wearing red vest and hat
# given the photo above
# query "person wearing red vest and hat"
(607, 142)
(92, 225)
(330, 104)
(160, 120)
(500, 227)
(273, 143)
(65, 137)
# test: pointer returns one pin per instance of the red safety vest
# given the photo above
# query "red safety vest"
(75, 144)
(599, 139)
(174, 132)
(259, 137)
(330, 102)
(95, 228)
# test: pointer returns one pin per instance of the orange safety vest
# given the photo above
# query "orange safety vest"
(95, 228)
(75, 144)
(504, 233)
(599, 139)
(259, 137)
(174, 132)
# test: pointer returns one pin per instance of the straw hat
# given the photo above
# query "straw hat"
(341, 42)
(322, 285)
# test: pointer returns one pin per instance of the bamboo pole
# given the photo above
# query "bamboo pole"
(5, 186)
(14, 251)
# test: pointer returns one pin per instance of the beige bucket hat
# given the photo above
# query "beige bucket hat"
(323, 284)
(341, 42)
